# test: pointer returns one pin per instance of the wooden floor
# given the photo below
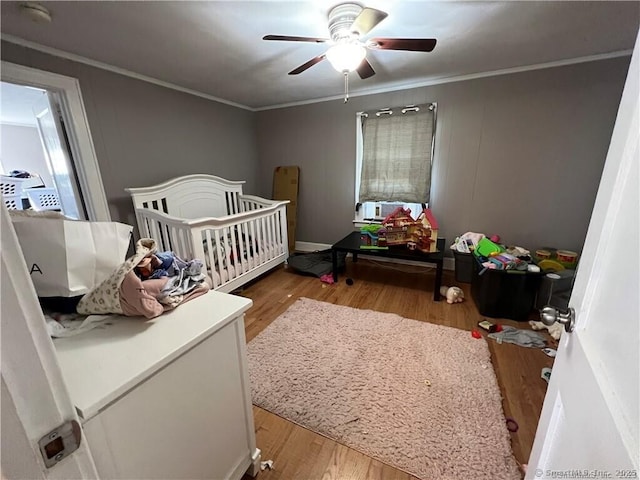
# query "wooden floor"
(406, 290)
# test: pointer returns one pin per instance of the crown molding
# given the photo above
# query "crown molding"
(6, 123)
(122, 71)
(458, 78)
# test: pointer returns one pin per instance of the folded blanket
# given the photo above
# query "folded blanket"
(146, 298)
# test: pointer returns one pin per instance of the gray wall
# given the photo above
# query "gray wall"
(518, 155)
(144, 133)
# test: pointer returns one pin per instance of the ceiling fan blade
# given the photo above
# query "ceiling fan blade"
(366, 20)
(411, 44)
(288, 38)
(309, 64)
(365, 70)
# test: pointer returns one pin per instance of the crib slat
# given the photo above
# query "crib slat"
(208, 257)
(153, 230)
(272, 237)
(260, 233)
(222, 264)
(178, 244)
(246, 248)
(183, 240)
(231, 237)
(241, 259)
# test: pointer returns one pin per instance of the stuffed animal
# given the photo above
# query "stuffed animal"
(453, 294)
(555, 330)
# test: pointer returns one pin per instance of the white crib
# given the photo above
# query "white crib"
(238, 236)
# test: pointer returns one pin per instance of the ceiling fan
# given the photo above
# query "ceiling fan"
(348, 23)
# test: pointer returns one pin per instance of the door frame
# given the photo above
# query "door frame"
(77, 124)
(574, 347)
(35, 399)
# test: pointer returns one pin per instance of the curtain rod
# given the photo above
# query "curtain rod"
(405, 109)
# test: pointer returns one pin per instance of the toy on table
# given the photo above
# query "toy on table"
(453, 294)
(419, 234)
(373, 237)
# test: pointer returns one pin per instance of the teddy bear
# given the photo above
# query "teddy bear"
(453, 294)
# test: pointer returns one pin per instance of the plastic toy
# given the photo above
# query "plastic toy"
(402, 229)
(490, 327)
(453, 294)
(486, 247)
(373, 237)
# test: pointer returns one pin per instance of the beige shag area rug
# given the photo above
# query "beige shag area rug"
(422, 398)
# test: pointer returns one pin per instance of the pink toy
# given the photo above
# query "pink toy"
(495, 238)
(328, 278)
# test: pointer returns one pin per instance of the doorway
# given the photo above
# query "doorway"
(35, 151)
(65, 128)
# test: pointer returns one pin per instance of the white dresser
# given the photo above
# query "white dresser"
(168, 397)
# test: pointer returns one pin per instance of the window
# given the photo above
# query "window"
(394, 151)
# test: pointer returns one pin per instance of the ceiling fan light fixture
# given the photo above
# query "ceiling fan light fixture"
(346, 57)
(349, 23)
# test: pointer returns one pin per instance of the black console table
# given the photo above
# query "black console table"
(351, 244)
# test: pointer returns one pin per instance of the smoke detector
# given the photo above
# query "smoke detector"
(36, 12)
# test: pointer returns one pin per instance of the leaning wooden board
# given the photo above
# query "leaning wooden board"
(285, 187)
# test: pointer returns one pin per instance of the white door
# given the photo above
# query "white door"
(48, 119)
(34, 398)
(590, 421)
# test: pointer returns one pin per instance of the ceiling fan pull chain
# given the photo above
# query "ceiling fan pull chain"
(346, 86)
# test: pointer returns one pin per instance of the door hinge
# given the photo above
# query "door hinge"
(60, 443)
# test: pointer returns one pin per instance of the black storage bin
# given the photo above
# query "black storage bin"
(555, 289)
(504, 293)
(464, 266)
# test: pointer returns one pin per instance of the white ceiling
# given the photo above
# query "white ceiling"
(216, 48)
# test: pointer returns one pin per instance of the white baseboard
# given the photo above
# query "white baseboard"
(447, 264)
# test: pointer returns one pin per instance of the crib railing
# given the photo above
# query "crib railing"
(233, 247)
(170, 233)
(251, 202)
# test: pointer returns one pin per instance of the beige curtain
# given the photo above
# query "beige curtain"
(396, 163)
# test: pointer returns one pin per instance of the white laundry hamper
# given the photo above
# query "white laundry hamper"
(43, 199)
(11, 191)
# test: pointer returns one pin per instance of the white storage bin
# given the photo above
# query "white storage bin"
(43, 199)
(11, 186)
(12, 202)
